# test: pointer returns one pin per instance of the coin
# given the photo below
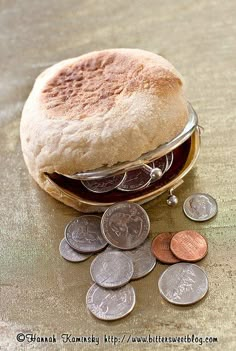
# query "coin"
(161, 163)
(200, 207)
(161, 248)
(189, 245)
(104, 185)
(112, 269)
(125, 225)
(70, 254)
(183, 283)
(83, 234)
(136, 179)
(110, 248)
(143, 260)
(110, 304)
(170, 159)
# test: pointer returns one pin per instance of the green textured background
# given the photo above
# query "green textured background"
(42, 293)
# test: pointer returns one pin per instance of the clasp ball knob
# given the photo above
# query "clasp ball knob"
(172, 200)
(156, 173)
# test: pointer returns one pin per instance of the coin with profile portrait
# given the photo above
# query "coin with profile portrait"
(104, 185)
(112, 269)
(110, 304)
(125, 225)
(200, 207)
(135, 180)
(84, 235)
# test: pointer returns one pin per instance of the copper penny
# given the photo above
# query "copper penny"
(161, 248)
(189, 245)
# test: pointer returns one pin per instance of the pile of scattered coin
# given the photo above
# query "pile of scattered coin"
(132, 180)
(125, 226)
(130, 255)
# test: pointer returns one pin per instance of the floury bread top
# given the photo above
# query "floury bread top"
(101, 108)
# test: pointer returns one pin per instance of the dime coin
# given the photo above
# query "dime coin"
(143, 260)
(110, 304)
(70, 254)
(125, 225)
(136, 179)
(104, 185)
(200, 207)
(112, 269)
(183, 283)
(161, 248)
(83, 234)
(170, 159)
(189, 245)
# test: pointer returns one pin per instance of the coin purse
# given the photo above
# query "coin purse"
(179, 156)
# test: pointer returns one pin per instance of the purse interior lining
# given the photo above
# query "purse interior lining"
(76, 187)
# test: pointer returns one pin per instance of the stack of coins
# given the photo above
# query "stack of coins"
(133, 180)
(125, 227)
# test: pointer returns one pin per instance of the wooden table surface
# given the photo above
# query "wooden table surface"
(40, 292)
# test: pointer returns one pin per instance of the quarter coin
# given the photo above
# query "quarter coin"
(143, 260)
(112, 269)
(136, 179)
(161, 248)
(125, 225)
(189, 245)
(70, 254)
(84, 235)
(110, 304)
(183, 284)
(200, 207)
(104, 185)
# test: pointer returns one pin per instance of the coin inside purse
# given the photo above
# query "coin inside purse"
(184, 158)
(184, 149)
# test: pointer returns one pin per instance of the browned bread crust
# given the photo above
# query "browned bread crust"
(99, 109)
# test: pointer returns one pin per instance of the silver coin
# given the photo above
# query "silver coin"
(104, 185)
(136, 179)
(112, 269)
(125, 225)
(110, 304)
(70, 254)
(200, 207)
(161, 163)
(83, 234)
(143, 260)
(170, 159)
(110, 248)
(183, 284)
